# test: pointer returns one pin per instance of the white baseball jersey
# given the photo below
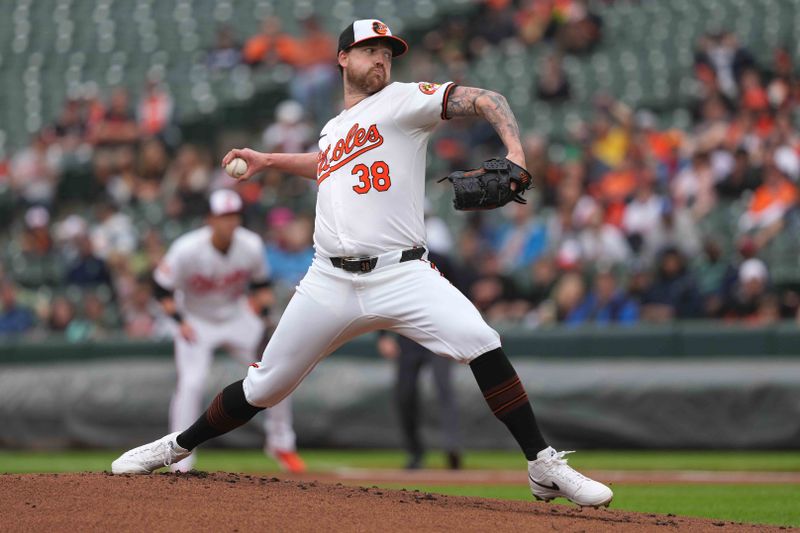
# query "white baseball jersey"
(371, 171)
(209, 284)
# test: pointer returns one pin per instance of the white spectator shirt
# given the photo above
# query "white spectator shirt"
(371, 171)
(209, 284)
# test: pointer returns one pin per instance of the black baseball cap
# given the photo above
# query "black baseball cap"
(366, 29)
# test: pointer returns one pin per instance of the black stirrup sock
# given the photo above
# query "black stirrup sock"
(227, 411)
(508, 400)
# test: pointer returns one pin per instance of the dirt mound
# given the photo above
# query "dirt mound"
(237, 502)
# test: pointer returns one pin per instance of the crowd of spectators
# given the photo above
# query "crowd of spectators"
(622, 226)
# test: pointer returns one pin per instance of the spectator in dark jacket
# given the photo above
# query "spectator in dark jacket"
(673, 294)
(605, 304)
(14, 318)
(88, 269)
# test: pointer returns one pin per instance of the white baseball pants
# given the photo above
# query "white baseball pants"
(332, 306)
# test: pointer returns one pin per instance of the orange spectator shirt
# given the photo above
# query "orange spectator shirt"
(259, 47)
(315, 49)
(765, 196)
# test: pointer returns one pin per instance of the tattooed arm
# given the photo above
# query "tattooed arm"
(470, 102)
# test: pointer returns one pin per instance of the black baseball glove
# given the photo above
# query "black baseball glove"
(489, 187)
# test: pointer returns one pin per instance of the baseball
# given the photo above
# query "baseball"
(236, 168)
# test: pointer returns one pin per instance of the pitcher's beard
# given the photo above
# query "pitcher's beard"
(370, 83)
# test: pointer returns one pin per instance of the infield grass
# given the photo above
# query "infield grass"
(763, 503)
(26, 461)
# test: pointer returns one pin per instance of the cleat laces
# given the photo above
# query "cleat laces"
(559, 459)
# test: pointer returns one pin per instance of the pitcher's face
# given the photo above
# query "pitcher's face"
(367, 67)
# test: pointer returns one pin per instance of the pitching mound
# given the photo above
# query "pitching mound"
(235, 502)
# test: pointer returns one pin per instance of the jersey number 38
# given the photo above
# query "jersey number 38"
(376, 176)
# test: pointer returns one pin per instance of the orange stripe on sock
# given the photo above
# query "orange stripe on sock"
(511, 405)
(491, 393)
(218, 418)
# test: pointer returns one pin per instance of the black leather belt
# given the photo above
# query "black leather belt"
(366, 264)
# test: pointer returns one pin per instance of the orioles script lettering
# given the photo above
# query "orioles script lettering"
(357, 141)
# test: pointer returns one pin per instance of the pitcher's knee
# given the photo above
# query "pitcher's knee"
(469, 343)
(264, 393)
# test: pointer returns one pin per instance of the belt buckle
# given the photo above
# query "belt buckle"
(357, 264)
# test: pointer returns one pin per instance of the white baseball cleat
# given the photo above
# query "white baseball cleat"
(550, 477)
(145, 459)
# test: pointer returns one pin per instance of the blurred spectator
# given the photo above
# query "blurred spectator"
(36, 238)
(60, 315)
(747, 301)
(271, 46)
(495, 294)
(315, 79)
(14, 318)
(720, 55)
(575, 27)
(779, 88)
(226, 53)
(118, 126)
(693, 187)
(153, 160)
(289, 251)
(602, 243)
(142, 315)
(662, 146)
(673, 294)
(610, 134)
(93, 108)
(743, 177)
(154, 112)
(121, 185)
(533, 19)
(604, 304)
(113, 234)
(642, 217)
(34, 173)
(87, 269)
(493, 24)
(289, 133)
(565, 299)
(520, 240)
(149, 253)
(544, 276)
(552, 84)
(715, 278)
(753, 95)
(91, 324)
(188, 178)
(35, 263)
(769, 204)
(70, 128)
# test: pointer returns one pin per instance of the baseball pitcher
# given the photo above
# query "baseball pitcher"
(370, 270)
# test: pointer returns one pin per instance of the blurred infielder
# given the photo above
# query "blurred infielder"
(203, 282)
(370, 270)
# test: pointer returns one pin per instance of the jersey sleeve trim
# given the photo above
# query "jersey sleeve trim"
(445, 98)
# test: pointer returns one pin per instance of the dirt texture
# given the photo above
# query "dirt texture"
(516, 477)
(239, 503)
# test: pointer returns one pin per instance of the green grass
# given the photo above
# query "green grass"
(13, 461)
(763, 504)
(768, 504)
